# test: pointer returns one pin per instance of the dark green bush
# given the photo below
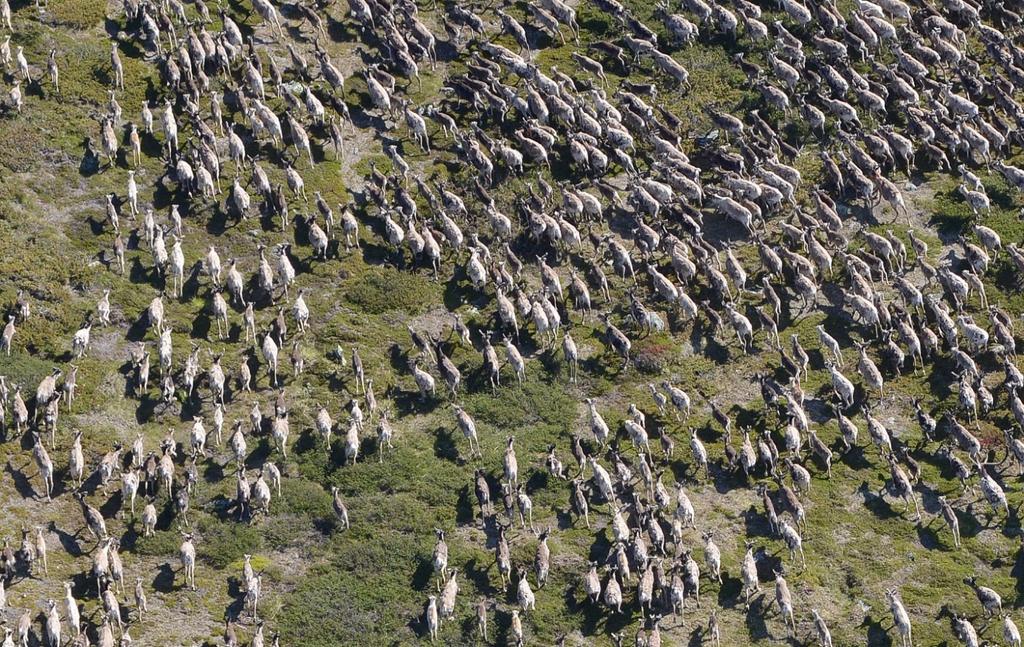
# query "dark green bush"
(385, 289)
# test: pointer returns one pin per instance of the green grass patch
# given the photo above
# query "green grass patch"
(361, 597)
(163, 543)
(386, 289)
(77, 14)
(223, 543)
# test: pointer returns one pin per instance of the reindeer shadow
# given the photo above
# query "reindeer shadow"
(146, 409)
(259, 454)
(593, 614)
(111, 506)
(67, 541)
(755, 524)
(600, 550)
(237, 606)
(876, 634)
(465, 507)
(929, 498)
(479, 576)
(876, 503)
(730, 591)
(163, 581)
(928, 537)
(130, 537)
(21, 482)
(444, 445)
(190, 288)
(1017, 573)
(218, 220)
(423, 575)
(90, 162)
(855, 459)
(213, 472)
(224, 509)
(307, 441)
(96, 227)
(697, 637)
(1011, 527)
(755, 618)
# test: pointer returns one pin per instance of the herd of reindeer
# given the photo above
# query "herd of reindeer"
(579, 202)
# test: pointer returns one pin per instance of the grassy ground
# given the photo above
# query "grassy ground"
(369, 585)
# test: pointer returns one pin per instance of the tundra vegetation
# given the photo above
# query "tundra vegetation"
(359, 322)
